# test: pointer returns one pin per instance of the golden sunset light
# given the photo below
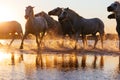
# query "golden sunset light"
(6, 14)
(59, 40)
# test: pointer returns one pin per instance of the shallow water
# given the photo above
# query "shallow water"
(53, 66)
(18, 64)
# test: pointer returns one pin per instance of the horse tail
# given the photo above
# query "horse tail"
(101, 27)
(101, 31)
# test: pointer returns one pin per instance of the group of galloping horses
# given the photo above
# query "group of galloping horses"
(69, 22)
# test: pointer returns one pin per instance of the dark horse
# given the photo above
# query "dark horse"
(84, 26)
(115, 8)
(66, 25)
(34, 25)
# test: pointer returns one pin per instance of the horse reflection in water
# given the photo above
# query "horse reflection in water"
(94, 62)
(66, 61)
(39, 60)
(101, 61)
(84, 26)
(83, 62)
(34, 25)
(59, 61)
(13, 60)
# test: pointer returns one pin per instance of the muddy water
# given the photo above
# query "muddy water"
(53, 66)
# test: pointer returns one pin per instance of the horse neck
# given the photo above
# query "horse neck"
(74, 15)
(117, 13)
(59, 13)
(31, 18)
(49, 20)
(118, 19)
(30, 22)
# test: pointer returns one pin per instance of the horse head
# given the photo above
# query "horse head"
(64, 14)
(115, 8)
(68, 14)
(28, 12)
(56, 12)
(111, 16)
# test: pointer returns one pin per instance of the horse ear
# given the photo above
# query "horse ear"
(30, 6)
(33, 6)
(67, 8)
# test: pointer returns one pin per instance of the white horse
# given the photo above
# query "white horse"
(34, 25)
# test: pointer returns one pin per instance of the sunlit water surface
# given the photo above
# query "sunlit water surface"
(22, 65)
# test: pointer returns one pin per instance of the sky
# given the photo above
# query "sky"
(15, 10)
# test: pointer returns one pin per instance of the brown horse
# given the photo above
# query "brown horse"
(34, 25)
(12, 28)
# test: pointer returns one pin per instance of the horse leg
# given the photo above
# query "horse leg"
(77, 35)
(21, 35)
(119, 41)
(24, 36)
(38, 44)
(42, 36)
(63, 38)
(86, 44)
(84, 40)
(96, 40)
(102, 38)
(13, 38)
(70, 34)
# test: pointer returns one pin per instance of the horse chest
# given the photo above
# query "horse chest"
(118, 25)
(89, 29)
(34, 26)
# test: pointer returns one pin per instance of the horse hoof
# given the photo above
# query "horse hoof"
(21, 47)
(94, 48)
(75, 48)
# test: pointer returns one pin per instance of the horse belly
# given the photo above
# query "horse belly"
(40, 24)
(90, 29)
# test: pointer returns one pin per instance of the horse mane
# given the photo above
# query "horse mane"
(49, 19)
(54, 25)
(73, 13)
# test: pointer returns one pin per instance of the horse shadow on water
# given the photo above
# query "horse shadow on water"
(79, 25)
(35, 26)
(115, 9)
